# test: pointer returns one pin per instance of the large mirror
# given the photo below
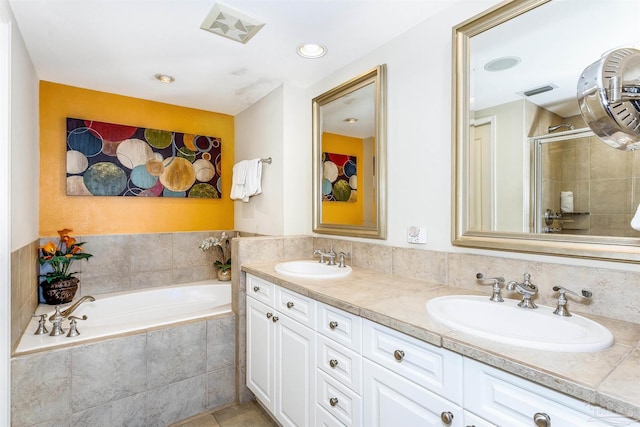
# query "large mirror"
(349, 157)
(528, 173)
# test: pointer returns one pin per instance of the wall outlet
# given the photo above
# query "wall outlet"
(417, 234)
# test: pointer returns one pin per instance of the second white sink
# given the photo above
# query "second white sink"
(507, 323)
(311, 270)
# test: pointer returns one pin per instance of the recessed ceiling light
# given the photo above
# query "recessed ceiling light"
(501, 64)
(311, 50)
(350, 120)
(164, 78)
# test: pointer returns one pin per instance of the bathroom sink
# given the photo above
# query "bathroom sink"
(312, 270)
(507, 323)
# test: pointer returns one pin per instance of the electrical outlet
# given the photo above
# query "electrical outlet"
(417, 234)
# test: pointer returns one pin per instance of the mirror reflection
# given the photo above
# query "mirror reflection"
(348, 157)
(528, 168)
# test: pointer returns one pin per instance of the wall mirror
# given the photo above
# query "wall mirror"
(521, 149)
(349, 158)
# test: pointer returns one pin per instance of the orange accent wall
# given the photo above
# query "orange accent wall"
(350, 213)
(88, 215)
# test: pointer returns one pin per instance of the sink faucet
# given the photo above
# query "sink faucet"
(72, 308)
(526, 289)
(331, 255)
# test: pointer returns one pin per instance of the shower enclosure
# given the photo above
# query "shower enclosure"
(604, 183)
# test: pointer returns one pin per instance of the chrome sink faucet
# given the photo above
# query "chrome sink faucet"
(526, 289)
(331, 255)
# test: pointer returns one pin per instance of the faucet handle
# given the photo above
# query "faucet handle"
(73, 328)
(561, 309)
(497, 284)
(321, 253)
(42, 329)
(342, 257)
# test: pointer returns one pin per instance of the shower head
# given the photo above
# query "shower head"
(556, 127)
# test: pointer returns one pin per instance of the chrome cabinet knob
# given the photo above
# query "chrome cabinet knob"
(289, 304)
(269, 315)
(447, 418)
(333, 401)
(333, 324)
(274, 319)
(541, 419)
(399, 355)
(333, 363)
(256, 288)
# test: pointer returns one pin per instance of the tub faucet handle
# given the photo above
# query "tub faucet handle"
(73, 328)
(42, 329)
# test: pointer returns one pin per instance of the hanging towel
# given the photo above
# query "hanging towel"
(247, 177)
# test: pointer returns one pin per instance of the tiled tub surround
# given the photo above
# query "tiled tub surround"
(391, 285)
(151, 378)
(120, 263)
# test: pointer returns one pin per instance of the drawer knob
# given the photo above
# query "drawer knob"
(399, 355)
(541, 419)
(256, 288)
(333, 401)
(269, 314)
(333, 324)
(289, 304)
(274, 319)
(333, 363)
(447, 418)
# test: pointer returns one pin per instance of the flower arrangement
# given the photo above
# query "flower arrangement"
(222, 243)
(59, 257)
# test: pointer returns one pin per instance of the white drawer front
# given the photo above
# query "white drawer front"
(324, 419)
(340, 326)
(261, 290)
(507, 400)
(340, 363)
(296, 306)
(435, 368)
(472, 420)
(338, 400)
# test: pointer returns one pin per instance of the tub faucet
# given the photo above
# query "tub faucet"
(72, 308)
(526, 289)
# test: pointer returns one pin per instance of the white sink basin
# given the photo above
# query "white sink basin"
(507, 323)
(312, 270)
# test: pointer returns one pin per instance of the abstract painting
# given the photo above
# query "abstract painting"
(106, 159)
(339, 179)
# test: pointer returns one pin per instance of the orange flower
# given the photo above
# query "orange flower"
(64, 232)
(69, 241)
(50, 248)
(75, 249)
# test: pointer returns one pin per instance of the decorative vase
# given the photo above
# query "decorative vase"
(224, 275)
(59, 291)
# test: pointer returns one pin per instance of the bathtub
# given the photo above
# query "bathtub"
(126, 312)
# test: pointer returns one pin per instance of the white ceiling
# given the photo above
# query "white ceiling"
(117, 46)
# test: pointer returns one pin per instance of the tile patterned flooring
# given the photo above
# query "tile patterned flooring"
(246, 415)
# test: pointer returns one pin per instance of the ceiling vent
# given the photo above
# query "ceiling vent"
(229, 23)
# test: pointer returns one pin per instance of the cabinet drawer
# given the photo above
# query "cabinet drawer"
(324, 419)
(434, 368)
(338, 400)
(472, 420)
(507, 400)
(340, 363)
(340, 326)
(296, 306)
(261, 290)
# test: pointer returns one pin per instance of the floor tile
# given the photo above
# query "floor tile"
(247, 415)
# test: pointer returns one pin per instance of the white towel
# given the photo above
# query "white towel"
(635, 222)
(247, 177)
(566, 201)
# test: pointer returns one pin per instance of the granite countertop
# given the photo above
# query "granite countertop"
(608, 378)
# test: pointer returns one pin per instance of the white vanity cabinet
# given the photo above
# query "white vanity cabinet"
(408, 382)
(508, 400)
(281, 351)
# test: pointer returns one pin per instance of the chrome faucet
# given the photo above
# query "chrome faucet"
(526, 289)
(497, 282)
(331, 255)
(72, 308)
(561, 309)
(342, 257)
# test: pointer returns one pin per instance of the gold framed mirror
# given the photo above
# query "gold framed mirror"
(514, 85)
(349, 158)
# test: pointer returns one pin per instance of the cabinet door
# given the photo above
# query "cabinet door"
(260, 351)
(391, 400)
(294, 369)
(472, 420)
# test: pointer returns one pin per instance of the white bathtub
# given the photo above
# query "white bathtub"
(123, 312)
